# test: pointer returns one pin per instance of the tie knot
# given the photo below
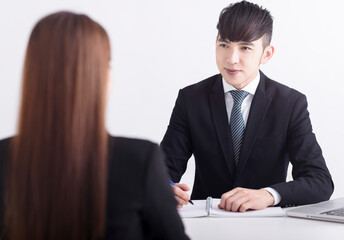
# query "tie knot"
(238, 96)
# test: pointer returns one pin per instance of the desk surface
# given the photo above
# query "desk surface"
(281, 228)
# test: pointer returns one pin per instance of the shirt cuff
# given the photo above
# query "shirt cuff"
(275, 194)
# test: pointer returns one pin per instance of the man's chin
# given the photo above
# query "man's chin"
(235, 83)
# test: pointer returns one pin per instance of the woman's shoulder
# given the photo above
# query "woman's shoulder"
(130, 161)
(126, 141)
(131, 148)
(4, 145)
(5, 141)
(136, 144)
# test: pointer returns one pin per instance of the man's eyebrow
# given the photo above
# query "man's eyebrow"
(246, 43)
(223, 40)
(240, 42)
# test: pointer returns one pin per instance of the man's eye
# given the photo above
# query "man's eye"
(246, 48)
(223, 45)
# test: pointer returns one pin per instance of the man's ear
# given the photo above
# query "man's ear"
(267, 54)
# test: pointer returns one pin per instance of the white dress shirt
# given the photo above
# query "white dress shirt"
(245, 110)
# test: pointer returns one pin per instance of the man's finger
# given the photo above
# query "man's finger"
(237, 202)
(181, 196)
(180, 193)
(245, 206)
(228, 195)
(183, 186)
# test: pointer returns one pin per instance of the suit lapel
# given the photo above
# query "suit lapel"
(259, 107)
(220, 118)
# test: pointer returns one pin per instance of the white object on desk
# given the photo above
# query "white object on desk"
(267, 228)
(331, 210)
(209, 208)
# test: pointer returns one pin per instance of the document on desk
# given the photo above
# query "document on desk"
(209, 208)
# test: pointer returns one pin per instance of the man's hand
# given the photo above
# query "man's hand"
(179, 193)
(242, 199)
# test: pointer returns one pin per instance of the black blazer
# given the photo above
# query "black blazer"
(278, 131)
(140, 202)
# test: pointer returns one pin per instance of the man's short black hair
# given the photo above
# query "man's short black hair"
(245, 21)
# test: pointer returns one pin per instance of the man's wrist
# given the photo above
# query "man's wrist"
(276, 196)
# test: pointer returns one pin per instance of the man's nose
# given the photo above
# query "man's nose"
(233, 56)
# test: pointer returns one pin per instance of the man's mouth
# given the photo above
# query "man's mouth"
(232, 71)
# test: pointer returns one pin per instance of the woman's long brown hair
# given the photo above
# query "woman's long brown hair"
(56, 179)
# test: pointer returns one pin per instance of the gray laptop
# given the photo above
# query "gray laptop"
(332, 210)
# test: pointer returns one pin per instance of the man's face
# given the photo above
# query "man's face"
(239, 62)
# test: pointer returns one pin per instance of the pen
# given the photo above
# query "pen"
(176, 186)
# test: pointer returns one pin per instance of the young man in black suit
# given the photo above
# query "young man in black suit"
(244, 128)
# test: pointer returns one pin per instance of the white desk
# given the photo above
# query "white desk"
(277, 228)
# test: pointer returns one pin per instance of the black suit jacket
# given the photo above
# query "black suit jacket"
(278, 130)
(140, 202)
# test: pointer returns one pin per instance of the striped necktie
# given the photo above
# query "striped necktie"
(237, 124)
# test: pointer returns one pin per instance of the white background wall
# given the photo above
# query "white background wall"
(161, 46)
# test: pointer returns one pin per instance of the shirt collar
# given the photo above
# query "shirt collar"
(250, 88)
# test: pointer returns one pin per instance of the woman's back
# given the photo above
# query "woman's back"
(140, 203)
(63, 176)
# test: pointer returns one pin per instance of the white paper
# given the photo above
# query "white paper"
(199, 210)
(196, 210)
